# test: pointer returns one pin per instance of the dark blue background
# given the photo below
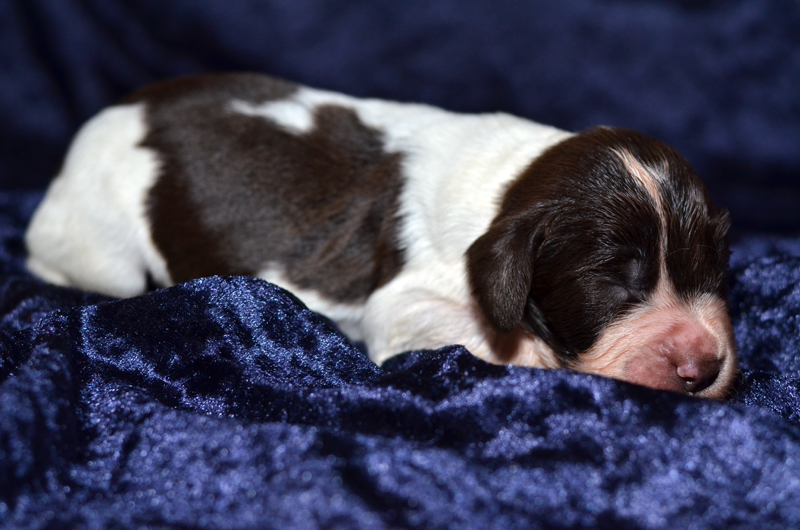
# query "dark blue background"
(718, 80)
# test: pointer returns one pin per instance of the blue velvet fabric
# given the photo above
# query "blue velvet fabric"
(223, 403)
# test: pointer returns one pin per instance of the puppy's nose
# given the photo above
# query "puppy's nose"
(698, 374)
(693, 352)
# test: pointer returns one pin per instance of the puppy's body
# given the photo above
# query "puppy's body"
(410, 226)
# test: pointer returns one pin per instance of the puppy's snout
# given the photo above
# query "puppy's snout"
(684, 349)
(692, 352)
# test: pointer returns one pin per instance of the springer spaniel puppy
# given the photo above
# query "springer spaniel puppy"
(410, 226)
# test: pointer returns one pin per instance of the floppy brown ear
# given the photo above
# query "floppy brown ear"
(500, 269)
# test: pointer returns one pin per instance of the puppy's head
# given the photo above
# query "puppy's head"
(609, 248)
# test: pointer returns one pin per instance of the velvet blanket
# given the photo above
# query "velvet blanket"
(224, 403)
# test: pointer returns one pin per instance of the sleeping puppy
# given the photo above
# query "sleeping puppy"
(410, 226)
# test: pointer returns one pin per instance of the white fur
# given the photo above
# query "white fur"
(288, 114)
(91, 230)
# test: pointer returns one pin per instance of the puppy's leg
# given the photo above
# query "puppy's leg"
(78, 249)
(402, 316)
(416, 319)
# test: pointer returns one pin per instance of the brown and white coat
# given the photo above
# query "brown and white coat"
(410, 226)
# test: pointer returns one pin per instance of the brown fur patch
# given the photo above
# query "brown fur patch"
(238, 193)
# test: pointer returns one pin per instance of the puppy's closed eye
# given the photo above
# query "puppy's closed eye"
(630, 283)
